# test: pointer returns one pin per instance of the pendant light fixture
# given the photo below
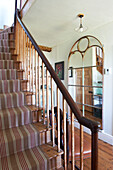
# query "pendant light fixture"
(81, 28)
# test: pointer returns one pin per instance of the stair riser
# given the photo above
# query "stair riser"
(11, 74)
(9, 65)
(17, 65)
(9, 86)
(6, 64)
(24, 86)
(36, 116)
(7, 50)
(8, 56)
(8, 74)
(5, 56)
(20, 75)
(44, 137)
(10, 100)
(20, 139)
(7, 36)
(14, 117)
(27, 160)
(7, 43)
(14, 57)
(29, 99)
(55, 163)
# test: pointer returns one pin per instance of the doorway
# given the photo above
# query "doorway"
(86, 83)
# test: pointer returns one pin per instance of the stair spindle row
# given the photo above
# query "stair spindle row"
(35, 73)
(42, 86)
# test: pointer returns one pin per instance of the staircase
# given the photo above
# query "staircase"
(25, 142)
(27, 138)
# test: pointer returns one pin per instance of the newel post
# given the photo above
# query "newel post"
(94, 157)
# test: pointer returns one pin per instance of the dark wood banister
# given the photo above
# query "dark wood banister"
(92, 125)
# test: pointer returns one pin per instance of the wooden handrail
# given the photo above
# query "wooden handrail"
(15, 13)
(92, 125)
(74, 110)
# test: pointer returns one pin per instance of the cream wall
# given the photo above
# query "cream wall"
(6, 12)
(105, 35)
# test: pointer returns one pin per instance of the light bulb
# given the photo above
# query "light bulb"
(81, 29)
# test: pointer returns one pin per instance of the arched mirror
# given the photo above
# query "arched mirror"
(85, 76)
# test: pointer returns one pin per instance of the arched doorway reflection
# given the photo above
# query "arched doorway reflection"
(85, 76)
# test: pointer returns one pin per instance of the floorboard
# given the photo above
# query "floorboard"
(105, 156)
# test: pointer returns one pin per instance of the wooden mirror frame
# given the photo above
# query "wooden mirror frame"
(83, 53)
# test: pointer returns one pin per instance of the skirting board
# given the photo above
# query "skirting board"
(101, 135)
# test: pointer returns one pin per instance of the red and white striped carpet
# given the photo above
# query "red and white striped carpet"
(19, 136)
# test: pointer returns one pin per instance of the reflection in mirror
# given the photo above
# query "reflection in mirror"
(85, 83)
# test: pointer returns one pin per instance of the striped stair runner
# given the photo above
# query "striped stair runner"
(9, 86)
(5, 56)
(6, 64)
(32, 159)
(14, 117)
(19, 136)
(8, 74)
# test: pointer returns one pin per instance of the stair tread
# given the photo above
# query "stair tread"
(25, 137)
(28, 93)
(17, 61)
(42, 127)
(31, 158)
(12, 117)
(39, 127)
(50, 151)
(16, 139)
(15, 54)
(35, 108)
(24, 80)
(20, 70)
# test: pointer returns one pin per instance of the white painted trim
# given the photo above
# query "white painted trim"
(106, 137)
(101, 135)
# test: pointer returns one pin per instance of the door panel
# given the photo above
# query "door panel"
(87, 90)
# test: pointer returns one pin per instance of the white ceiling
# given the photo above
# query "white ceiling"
(53, 21)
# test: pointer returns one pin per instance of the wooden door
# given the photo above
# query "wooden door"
(78, 81)
(87, 90)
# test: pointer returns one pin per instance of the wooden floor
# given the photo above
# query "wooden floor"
(105, 157)
(89, 115)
